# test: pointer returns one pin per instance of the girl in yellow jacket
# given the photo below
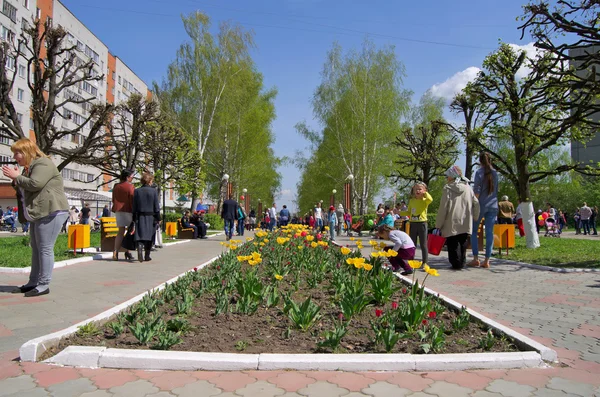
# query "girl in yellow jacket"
(417, 212)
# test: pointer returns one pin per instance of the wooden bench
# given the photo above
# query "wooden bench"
(184, 233)
(108, 232)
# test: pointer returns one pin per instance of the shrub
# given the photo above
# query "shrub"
(216, 223)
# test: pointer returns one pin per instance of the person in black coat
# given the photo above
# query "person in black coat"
(188, 222)
(229, 215)
(146, 214)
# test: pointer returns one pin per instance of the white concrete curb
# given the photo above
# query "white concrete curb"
(174, 360)
(546, 353)
(33, 348)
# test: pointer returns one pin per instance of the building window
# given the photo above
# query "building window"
(7, 34)
(10, 63)
(24, 24)
(4, 140)
(113, 76)
(20, 94)
(119, 80)
(31, 124)
(22, 71)
(26, 4)
(10, 11)
(38, 13)
(20, 118)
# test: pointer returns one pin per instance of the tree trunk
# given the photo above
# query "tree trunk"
(531, 235)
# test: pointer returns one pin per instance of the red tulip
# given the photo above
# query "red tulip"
(195, 269)
(319, 236)
(341, 316)
(303, 234)
(378, 312)
(432, 314)
(424, 322)
(404, 291)
(394, 305)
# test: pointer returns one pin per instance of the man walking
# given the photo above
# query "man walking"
(273, 216)
(229, 214)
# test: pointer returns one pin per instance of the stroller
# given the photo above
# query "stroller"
(356, 227)
(552, 229)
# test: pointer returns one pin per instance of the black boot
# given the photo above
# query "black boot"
(140, 249)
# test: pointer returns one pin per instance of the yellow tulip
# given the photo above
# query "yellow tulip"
(278, 277)
(391, 253)
(352, 238)
(426, 268)
(415, 264)
(345, 250)
(252, 263)
(300, 248)
(310, 237)
(314, 245)
(350, 261)
(433, 272)
(367, 266)
(373, 243)
(375, 254)
(266, 241)
(281, 240)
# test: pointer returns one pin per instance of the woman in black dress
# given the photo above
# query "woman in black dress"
(146, 215)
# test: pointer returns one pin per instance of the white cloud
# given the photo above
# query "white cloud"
(452, 86)
(458, 81)
(286, 193)
(531, 53)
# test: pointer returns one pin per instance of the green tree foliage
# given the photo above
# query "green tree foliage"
(426, 146)
(242, 139)
(217, 96)
(529, 113)
(359, 104)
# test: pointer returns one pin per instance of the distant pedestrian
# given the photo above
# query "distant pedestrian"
(318, 215)
(84, 215)
(146, 215)
(284, 216)
(577, 219)
(332, 222)
(273, 216)
(105, 211)
(586, 214)
(506, 211)
(122, 206)
(593, 220)
(417, 208)
(229, 214)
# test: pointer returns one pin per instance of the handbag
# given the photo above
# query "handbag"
(435, 242)
(129, 239)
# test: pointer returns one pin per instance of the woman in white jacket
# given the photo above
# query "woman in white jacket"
(458, 208)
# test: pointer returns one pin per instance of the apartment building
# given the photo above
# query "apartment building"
(587, 153)
(117, 84)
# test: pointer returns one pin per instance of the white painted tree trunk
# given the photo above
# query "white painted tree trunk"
(531, 234)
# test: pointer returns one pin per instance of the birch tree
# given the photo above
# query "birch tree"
(201, 74)
(359, 104)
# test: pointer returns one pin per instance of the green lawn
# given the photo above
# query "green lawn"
(557, 252)
(16, 251)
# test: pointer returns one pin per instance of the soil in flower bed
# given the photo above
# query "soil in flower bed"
(269, 329)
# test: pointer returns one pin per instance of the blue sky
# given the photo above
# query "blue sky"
(440, 43)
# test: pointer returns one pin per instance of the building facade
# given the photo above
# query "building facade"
(587, 153)
(117, 84)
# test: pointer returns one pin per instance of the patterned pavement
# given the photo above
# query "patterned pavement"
(559, 310)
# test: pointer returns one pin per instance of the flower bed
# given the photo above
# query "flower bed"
(293, 292)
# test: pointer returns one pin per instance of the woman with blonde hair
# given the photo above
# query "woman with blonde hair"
(42, 202)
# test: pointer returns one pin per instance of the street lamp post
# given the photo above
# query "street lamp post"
(348, 192)
(260, 212)
(246, 200)
(332, 199)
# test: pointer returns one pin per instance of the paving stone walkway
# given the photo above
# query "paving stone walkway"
(559, 310)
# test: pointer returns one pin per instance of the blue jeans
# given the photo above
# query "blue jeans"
(229, 227)
(272, 224)
(585, 225)
(490, 217)
(332, 231)
(85, 221)
(43, 237)
(319, 224)
(240, 227)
